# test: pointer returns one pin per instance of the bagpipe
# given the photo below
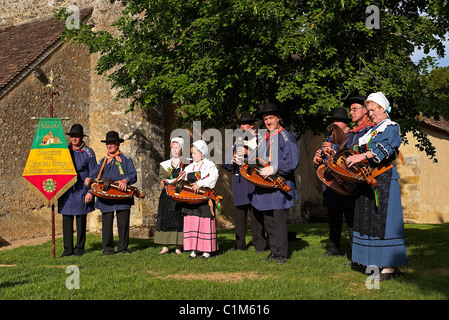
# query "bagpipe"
(251, 172)
(182, 191)
(108, 189)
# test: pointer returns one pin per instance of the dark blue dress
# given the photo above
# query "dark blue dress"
(379, 236)
(72, 202)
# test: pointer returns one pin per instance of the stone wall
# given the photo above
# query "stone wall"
(13, 12)
(86, 98)
(22, 214)
(423, 182)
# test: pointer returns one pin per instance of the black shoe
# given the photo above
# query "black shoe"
(203, 257)
(79, 253)
(281, 260)
(389, 275)
(331, 253)
(270, 257)
(66, 254)
(108, 253)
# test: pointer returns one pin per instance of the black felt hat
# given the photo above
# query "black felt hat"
(340, 114)
(269, 108)
(112, 136)
(76, 129)
(356, 99)
(245, 116)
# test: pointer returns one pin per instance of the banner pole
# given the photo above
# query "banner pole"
(53, 205)
(49, 177)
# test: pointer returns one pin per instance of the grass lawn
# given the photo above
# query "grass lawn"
(30, 273)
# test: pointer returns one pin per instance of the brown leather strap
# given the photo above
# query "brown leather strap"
(401, 157)
(381, 169)
(101, 170)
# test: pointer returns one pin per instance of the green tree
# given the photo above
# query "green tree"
(211, 57)
(439, 85)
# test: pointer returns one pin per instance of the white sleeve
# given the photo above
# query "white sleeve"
(210, 174)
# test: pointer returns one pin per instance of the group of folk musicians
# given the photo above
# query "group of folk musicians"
(188, 206)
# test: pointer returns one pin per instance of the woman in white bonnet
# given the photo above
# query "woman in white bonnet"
(200, 230)
(169, 225)
(379, 237)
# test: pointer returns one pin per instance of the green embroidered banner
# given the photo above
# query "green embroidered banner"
(49, 170)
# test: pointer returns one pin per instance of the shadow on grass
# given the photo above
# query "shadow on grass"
(226, 240)
(427, 249)
(9, 284)
(428, 257)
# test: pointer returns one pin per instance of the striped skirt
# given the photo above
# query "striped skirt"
(200, 234)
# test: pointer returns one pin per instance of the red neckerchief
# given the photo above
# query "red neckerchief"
(115, 155)
(268, 135)
(366, 123)
(73, 148)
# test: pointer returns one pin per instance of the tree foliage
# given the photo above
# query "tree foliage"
(212, 57)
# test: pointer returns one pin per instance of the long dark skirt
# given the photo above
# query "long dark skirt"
(170, 221)
(379, 236)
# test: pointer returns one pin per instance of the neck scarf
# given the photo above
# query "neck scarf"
(268, 136)
(365, 123)
(118, 160)
(73, 148)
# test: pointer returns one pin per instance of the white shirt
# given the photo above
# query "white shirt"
(208, 171)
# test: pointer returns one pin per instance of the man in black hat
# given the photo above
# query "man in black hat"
(78, 200)
(119, 168)
(242, 190)
(340, 118)
(338, 205)
(279, 150)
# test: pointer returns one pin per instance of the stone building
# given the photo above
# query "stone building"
(30, 38)
(82, 97)
(30, 41)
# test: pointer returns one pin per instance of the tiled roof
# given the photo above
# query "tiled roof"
(442, 124)
(23, 44)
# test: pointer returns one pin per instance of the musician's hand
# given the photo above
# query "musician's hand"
(88, 181)
(88, 198)
(122, 184)
(329, 152)
(326, 145)
(195, 187)
(242, 151)
(237, 159)
(317, 158)
(351, 160)
(266, 171)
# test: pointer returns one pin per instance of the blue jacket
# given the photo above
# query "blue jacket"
(112, 171)
(72, 202)
(242, 190)
(283, 147)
